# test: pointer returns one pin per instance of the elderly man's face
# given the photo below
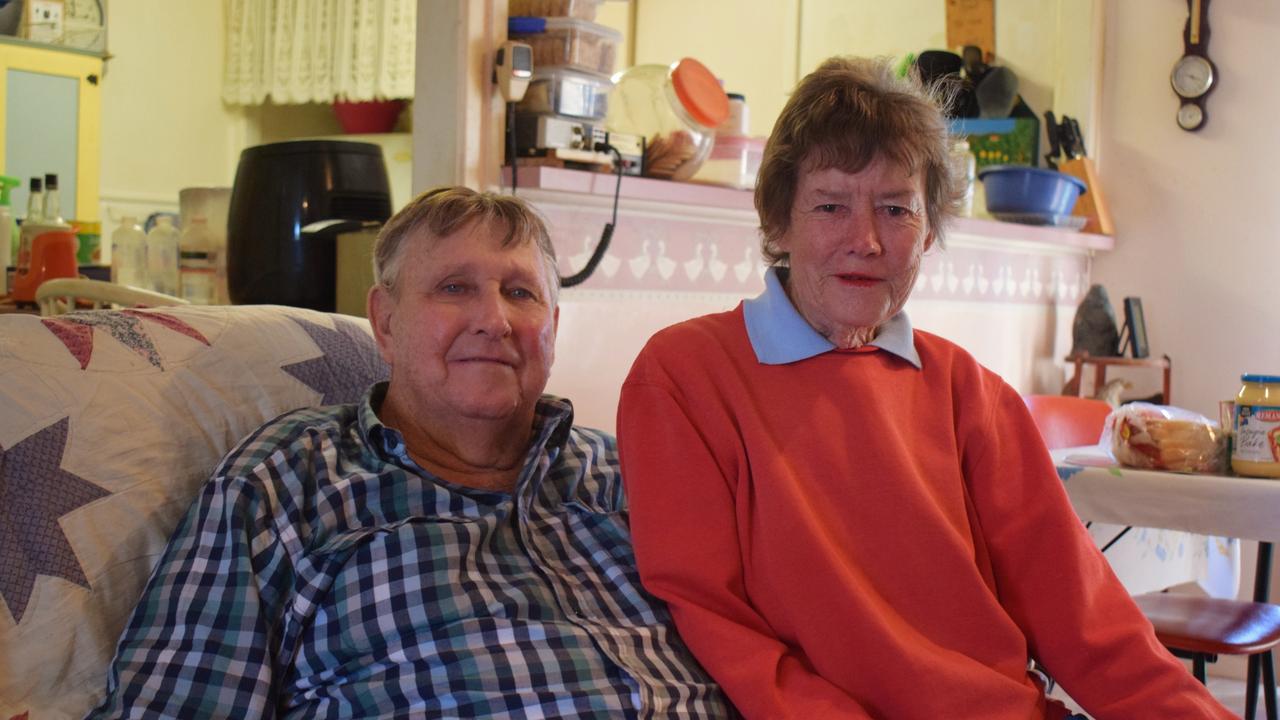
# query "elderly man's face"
(470, 330)
(855, 242)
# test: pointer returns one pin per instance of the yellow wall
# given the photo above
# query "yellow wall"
(751, 46)
(164, 126)
(618, 15)
(762, 47)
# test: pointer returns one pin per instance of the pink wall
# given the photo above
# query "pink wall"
(1197, 213)
(1005, 292)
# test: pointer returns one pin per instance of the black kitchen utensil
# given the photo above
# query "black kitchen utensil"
(935, 64)
(1079, 136)
(1055, 148)
(1067, 138)
(942, 66)
(996, 92)
(974, 67)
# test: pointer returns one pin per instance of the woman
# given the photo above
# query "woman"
(849, 517)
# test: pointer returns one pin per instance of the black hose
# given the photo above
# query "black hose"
(607, 235)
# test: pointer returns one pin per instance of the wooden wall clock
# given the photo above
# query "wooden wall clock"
(1194, 75)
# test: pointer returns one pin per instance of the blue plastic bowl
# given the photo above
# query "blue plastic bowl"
(1026, 190)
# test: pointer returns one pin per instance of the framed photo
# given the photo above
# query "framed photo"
(42, 20)
(1137, 325)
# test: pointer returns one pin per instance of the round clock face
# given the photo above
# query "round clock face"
(1192, 76)
(1190, 116)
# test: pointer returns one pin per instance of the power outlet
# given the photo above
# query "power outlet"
(44, 20)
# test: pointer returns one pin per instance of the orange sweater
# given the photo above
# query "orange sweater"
(850, 536)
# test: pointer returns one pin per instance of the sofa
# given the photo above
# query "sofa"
(109, 422)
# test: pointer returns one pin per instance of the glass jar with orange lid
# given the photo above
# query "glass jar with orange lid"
(1256, 450)
(674, 108)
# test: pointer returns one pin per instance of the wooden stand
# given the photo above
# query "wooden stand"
(1100, 365)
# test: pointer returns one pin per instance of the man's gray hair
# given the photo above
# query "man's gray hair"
(443, 210)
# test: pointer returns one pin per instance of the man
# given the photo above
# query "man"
(451, 547)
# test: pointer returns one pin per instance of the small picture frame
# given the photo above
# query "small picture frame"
(1137, 325)
(42, 20)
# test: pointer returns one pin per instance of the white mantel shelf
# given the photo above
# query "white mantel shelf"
(697, 198)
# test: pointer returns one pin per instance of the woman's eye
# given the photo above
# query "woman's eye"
(898, 211)
(452, 288)
(828, 208)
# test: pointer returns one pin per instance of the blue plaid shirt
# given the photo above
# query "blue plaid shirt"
(323, 573)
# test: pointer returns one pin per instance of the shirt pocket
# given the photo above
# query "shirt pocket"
(589, 555)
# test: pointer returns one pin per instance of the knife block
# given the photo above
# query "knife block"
(1092, 205)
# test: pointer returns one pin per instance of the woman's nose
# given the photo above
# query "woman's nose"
(864, 239)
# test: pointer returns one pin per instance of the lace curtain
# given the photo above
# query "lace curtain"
(300, 51)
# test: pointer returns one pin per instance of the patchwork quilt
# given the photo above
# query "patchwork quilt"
(109, 423)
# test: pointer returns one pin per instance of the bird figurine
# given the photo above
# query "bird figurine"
(1110, 393)
(1094, 330)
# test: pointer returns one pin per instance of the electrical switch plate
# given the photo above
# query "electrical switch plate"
(43, 21)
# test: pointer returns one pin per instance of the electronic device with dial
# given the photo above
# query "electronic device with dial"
(1194, 75)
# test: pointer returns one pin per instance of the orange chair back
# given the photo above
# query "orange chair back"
(1066, 421)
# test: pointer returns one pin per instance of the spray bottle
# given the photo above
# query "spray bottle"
(8, 231)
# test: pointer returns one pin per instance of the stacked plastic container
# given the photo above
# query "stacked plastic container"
(573, 58)
(735, 156)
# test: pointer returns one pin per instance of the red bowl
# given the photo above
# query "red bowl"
(373, 116)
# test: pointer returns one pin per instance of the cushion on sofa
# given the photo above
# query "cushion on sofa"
(109, 422)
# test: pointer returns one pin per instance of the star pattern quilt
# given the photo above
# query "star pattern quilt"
(109, 422)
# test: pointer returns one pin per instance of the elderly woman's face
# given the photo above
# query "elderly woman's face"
(855, 243)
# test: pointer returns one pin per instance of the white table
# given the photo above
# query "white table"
(1217, 510)
(1237, 507)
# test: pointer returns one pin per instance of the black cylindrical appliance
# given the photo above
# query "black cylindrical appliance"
(280, 250)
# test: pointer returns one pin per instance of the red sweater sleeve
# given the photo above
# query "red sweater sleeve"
(1052, 580)
(681, 493)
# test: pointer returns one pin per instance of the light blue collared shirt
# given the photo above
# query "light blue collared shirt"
(780, 335)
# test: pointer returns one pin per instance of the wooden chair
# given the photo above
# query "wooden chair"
(1196, 628)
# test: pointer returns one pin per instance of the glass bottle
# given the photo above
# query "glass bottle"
(162, 256)
(35, 216)
(197, 262)
(52, 201)
(964, 167)
(129, 254)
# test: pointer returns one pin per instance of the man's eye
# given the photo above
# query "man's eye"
(453, 288)
(522, 294)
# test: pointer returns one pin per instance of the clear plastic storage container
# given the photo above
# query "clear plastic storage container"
(734, 162)
(581, 9)
(674, 108)
(565, 41)
(561, 91)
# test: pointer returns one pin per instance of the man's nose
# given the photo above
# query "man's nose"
(491, 314)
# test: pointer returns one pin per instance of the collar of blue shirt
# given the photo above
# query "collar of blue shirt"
(780, 335)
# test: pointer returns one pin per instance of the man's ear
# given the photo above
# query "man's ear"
(380, 306)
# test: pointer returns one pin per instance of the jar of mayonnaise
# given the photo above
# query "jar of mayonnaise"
(1256, 450)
